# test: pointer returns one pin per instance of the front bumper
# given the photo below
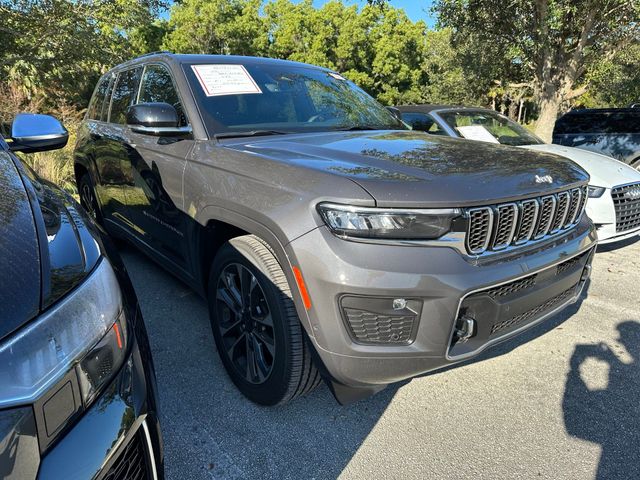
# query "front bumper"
(119, 431)
(602, 211)
(439, 277)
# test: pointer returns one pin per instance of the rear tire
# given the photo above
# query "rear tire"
(255, 325)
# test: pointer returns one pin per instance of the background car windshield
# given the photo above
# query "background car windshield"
(502, 129)
(293, 99)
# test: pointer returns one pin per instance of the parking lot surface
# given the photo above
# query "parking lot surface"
(563, 406)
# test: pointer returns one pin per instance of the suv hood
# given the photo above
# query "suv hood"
(604, 171)
(413, 169)
(45, 246)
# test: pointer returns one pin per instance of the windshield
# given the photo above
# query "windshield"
(282, 98)
(489, 127)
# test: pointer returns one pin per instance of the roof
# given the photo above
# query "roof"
(181, 58)
(427, 108)
(580, 111)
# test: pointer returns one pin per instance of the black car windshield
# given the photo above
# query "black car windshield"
(278, 98)
(489, 127)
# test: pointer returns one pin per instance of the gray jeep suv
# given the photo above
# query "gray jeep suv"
(330, 241)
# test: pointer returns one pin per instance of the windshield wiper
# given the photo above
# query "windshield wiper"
(250, 133)
(367, 127)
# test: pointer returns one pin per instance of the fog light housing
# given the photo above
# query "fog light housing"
(381, 320)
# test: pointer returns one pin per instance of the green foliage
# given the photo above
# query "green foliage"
(551, 44)
(615, 82)
(58, 48)
(216, 26)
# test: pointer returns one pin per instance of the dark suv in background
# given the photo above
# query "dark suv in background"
(77, 387)
(328, 238)
(611, 131)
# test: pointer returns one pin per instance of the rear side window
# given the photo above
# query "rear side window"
(124, 94)
(157, 86)
(422, 122)
(601, 123)
(95, 106)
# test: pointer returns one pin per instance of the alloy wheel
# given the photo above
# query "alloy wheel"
(245, 323)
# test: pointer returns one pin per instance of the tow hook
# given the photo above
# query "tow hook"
(466, 329)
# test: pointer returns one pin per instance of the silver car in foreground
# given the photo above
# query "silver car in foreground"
(330, 241)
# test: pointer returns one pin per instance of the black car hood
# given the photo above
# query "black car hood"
(46, 247)
(408, 168)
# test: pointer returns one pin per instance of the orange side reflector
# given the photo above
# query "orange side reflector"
(118, 337)
(302, 287)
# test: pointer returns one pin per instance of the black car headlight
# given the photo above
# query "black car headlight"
(387, 223)
(83, 338)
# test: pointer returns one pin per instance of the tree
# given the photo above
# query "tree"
(56, 49)
(554, 41)
(217, 26)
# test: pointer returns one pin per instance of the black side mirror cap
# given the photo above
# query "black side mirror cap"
(33, 132)
(157, 118)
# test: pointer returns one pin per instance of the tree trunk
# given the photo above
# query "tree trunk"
(549, 108)
(520, 110)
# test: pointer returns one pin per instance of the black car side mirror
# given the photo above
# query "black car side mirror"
(159, 118)
(33, 132)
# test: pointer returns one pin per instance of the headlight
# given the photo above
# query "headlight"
(387, 223)
(85, 330)
(596, 192)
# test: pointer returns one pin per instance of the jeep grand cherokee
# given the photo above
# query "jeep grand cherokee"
(330, 241)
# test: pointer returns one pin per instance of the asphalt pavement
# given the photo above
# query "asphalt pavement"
(565, 405)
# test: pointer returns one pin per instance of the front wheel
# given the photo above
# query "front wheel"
(255, 325)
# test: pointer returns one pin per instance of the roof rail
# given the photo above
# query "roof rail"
(153, 53)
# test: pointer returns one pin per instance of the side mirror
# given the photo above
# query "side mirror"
(395, 112)
(160, 119)
(32, 132)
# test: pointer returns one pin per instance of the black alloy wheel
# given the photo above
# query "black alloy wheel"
(255, 325)
(245, 323)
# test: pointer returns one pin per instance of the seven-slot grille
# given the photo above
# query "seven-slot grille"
(496, 227)
(626, 200)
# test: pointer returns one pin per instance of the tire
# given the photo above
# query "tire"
(88, 198)
(255, 325)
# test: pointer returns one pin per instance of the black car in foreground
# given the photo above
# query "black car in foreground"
(77, 386)
(610, 131)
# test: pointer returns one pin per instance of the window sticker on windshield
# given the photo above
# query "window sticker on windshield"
(477, 132)
(225, 80)
(337, 76)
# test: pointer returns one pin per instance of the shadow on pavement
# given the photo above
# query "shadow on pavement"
(210, 430)
(592, 414)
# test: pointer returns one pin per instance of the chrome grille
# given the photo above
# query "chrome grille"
(547, 208)
(626, 200)
(506, 222)
(479, 231)
(562, 208)
(528, 216)
(496, 227)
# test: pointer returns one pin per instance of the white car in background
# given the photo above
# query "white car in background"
(614, 188)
